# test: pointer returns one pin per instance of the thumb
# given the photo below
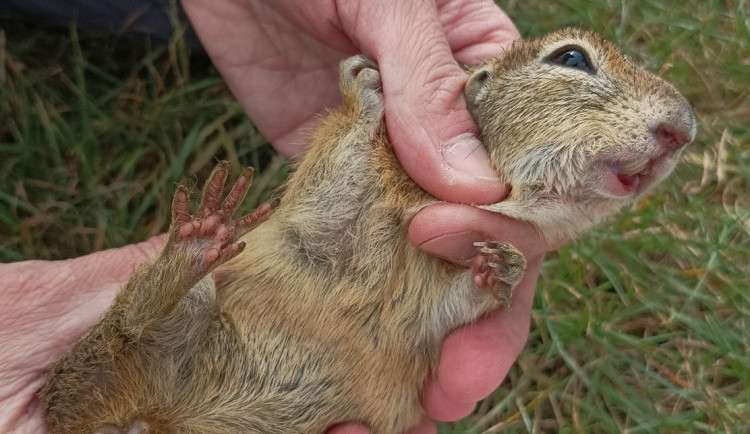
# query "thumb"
(426, 116)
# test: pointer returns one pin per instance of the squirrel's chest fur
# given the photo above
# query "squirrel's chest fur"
(333, 280)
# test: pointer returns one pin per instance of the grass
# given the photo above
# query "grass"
(640, 327)
(98, 131)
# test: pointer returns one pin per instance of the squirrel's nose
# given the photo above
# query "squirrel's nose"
(674, 131)
(673, 136)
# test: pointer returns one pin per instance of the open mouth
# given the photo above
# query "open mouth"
(622, 179)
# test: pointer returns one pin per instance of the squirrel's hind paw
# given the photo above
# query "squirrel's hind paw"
(211, 233)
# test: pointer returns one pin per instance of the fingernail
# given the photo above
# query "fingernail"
(457, 247)
(465, 153)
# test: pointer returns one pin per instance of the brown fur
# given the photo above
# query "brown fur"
(330, 314)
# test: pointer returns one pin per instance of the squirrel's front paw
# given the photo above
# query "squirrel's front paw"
(360, 85)
(498, 267)
(211, 235)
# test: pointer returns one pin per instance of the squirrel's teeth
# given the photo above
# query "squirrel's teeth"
(633, 169)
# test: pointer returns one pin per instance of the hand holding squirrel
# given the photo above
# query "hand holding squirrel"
(417, 46)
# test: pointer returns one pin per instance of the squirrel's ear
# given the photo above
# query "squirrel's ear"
(477, 86)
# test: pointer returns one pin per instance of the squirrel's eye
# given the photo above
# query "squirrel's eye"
(572, 57)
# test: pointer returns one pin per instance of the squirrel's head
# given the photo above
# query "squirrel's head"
(572, 119)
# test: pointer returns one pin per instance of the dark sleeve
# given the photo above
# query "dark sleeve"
(122, 16)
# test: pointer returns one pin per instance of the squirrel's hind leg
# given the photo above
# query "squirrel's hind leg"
(196, 245)
(123, 375)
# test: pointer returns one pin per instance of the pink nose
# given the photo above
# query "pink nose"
(673, 136)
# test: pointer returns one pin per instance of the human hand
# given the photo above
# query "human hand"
(272, 53)
(45, 307)
(48, 306)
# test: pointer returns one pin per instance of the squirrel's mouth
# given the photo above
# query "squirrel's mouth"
(628, 178)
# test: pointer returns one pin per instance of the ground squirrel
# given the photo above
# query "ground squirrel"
(330, 314)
